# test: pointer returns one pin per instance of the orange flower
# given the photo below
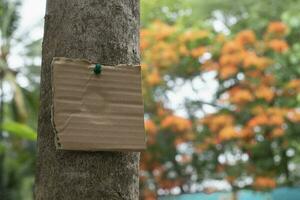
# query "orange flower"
(264, 182)
(276, 120)
(145, 33)
(230, 59)
(183, 50)
(250, 59)
(246, 37)
(153, 78)
(228, 133)
(264, 92)
(144, 66)
(277, 28)
(218, 121)
(144, 44)
(294, 115)
(197, 52)
(227, 71)
(231, 47)
(277, 111)
(209, 66)
(162, 30)
(254, 73)
(258, 120)
(176, 123)
(246, 132)
(277, 132)
(294, 84)
(279, 46)
(163, 54)
(240, 96)
(150, 127)
(193, 35)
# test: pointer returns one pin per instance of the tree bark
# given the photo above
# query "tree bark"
(106, 32)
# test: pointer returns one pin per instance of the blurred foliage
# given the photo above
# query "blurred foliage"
(20, 130)
(19, 105)
(250, 137)
(233, 15)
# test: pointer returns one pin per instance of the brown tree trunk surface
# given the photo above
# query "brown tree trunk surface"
(103, 31)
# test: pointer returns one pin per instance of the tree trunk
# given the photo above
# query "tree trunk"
(103, 31)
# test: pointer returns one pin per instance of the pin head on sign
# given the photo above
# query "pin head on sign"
(97, 107)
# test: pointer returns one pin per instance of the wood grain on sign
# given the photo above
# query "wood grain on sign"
(97, 112)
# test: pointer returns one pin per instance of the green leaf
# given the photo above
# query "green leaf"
(20, 130)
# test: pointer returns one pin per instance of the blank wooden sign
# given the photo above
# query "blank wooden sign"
(97, 112)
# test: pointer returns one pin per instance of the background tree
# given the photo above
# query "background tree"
(247, 138)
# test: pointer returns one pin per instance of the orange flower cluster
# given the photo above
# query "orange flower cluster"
(264, 92)
(250, 97)
(153, 78)
(278, 45)
(150, 127)
(272, 117)
(277, 28)
(163, 55)
(222, 125)
(162, 30)
(240, 96)
(176, 123)
(156, 51)
(241, 51)
(274, 35)
(217, 122)
(228, 133)
(262, 182)
(197, 52)
(231, 57)
(234, 52)
(250, 59)
(190, 35)
(294, 84)
(264, 119)
(246, 37)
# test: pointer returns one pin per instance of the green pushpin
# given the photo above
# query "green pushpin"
(97, 69)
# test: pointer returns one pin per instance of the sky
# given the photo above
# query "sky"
(32, 13)
(30, 28)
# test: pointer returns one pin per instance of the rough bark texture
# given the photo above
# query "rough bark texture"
(104, 31)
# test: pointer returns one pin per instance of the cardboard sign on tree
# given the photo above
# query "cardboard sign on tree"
(97, 110)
